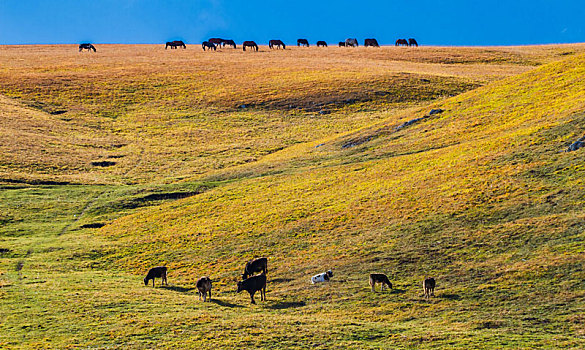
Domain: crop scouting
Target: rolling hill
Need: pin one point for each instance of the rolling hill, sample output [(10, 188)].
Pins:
[(479, 195)]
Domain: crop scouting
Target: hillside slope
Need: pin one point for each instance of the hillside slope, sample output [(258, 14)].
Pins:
[(479, 196), (37, 147)]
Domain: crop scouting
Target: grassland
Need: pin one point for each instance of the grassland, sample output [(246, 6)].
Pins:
[(312, 173)]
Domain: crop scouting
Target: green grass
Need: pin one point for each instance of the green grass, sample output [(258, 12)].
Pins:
[(480, 197)]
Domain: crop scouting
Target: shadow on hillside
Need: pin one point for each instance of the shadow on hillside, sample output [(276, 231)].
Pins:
[(179, 289), (224, 303), (449, 296), (286, 305), (397, 291), (280, 280)]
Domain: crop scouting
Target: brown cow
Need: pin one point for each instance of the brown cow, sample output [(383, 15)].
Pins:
[(379, 278), (429, 287)]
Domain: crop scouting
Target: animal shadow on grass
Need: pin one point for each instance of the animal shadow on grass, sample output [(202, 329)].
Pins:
[(449, 296), (397, 291), (179, 288), (224, 303), (280, 280), (286, 305)]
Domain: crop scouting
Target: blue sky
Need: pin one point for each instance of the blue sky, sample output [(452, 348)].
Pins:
[(438, 22)]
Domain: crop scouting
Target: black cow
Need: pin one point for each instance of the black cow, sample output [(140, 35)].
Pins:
[(351, 42), (257, 265), (86, 46), (216, 41), (156, 272), (371, 42), (303, 42), (175, 44), (252, 285), (321, 43), (204, 286), (401, 42), (276, 43), (228, 42), (209, 45), (251, 44)]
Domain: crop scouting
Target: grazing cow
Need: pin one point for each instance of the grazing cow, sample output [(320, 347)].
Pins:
[(86, 46), (156, 272), (379, 278), (342, 44), (252, 285), (401, 42), (228, 42), (209, 45), (351, 42), (321, 43), (253, 266), (276, 43), (175, 44), (412, 42), (371, 42), (303, 42), (251, 44), (322, 277), (216, 41), (204, 287), (429, 287)]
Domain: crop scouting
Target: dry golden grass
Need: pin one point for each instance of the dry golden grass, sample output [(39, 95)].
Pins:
[(174, 113), (479, 196)]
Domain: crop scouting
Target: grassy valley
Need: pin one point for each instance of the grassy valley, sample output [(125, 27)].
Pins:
[(134, 157)]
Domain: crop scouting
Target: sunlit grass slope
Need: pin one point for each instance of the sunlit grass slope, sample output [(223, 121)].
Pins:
[(166, 114), (479, 197), (135, 156)]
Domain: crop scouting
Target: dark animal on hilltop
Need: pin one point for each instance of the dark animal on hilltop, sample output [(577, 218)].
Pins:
[(257, 265), (156, 272), (252, 285), (322, 277), (87, 47), (379, 278), (342, 44), (412, 42), (321, 43), (210, 46), (351, 42), (401, 42), (204, 287), (429, 287), (371, 42), (303, 42), (175, 44), (228, 42), (216, 41), (276, 43), (251, 44)]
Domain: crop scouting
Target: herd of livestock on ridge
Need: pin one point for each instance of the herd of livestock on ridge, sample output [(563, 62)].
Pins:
[(214, 43), (257, 283)]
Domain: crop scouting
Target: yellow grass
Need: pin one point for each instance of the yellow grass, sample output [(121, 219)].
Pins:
[(479, 196)]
